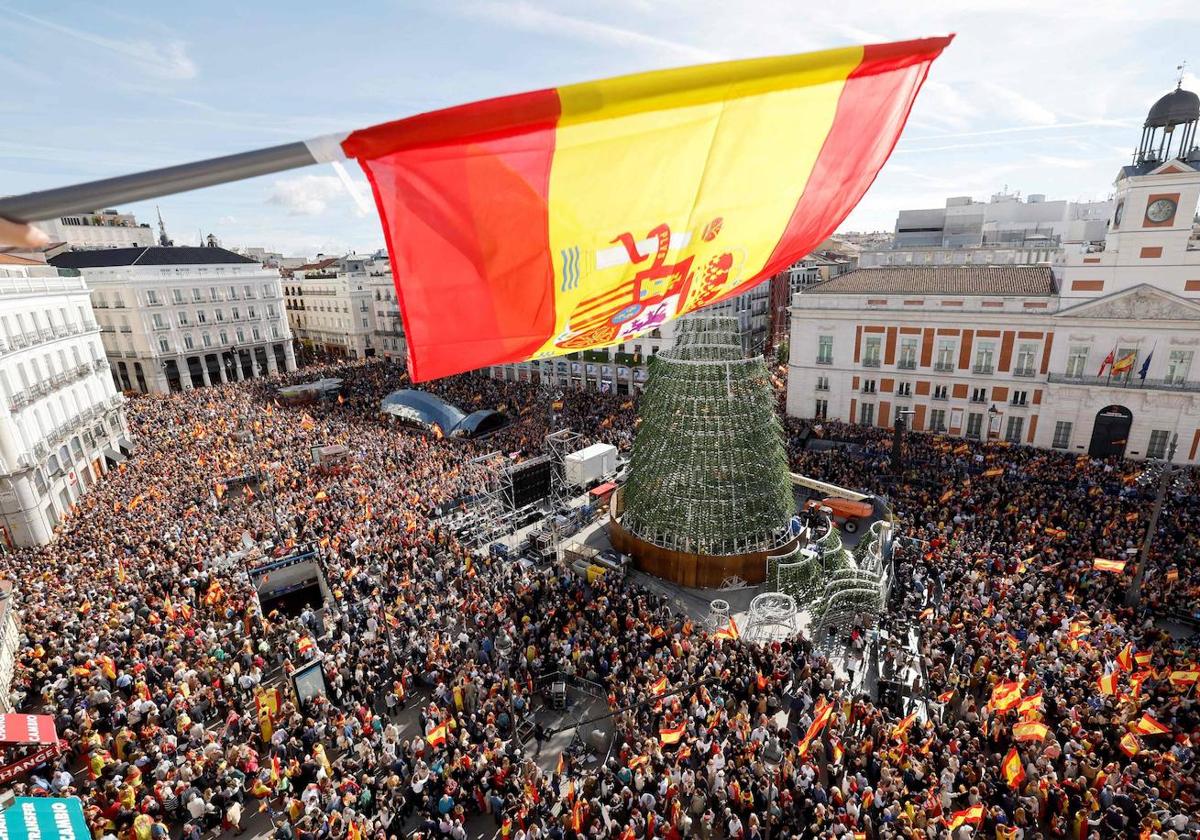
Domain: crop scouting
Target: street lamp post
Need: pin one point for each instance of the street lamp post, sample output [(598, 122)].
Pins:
[(898, 429), (1134, 593)]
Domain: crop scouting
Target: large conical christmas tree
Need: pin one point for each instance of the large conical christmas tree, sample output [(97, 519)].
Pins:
[(709, 474)]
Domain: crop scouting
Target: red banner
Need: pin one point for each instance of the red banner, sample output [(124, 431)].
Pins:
[(27, 729), (22, 766)]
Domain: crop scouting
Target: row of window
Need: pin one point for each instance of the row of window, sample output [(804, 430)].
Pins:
[(184, 317), (41, 320), (179, 297), (206, 339), (1013, 429), (1179, 362), (939, 392)]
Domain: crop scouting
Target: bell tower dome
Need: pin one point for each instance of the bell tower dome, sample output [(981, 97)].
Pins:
[(1169, 132)]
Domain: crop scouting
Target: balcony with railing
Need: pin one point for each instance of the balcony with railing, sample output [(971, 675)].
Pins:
[(943, 367), (871, 361), (983, 370), (824, 360), (906, 364), (1023, 371), (1133, 382), (941, 396)]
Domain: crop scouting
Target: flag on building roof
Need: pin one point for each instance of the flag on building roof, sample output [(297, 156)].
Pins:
[(1124, 363), (577, 217)]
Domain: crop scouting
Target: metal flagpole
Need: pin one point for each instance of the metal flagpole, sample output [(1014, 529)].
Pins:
[(93, 195)]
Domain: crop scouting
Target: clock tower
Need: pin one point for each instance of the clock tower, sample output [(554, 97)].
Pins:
[(1152, 236)]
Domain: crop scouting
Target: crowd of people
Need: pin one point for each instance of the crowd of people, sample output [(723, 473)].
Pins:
[(169, 683)]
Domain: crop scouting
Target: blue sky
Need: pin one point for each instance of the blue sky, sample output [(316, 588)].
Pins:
[(1035, 96)]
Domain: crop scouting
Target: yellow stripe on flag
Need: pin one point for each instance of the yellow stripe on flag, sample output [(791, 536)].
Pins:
[(692, 142)]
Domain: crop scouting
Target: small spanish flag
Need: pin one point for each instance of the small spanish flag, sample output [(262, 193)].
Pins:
[(1125, 658), (1030, 730), (994, 472), (1181, 680), (945, 696), (659, 686), (903, 725), (437, 736), (1030, 704), (671, 734), (305, 645), (1172, 574), (1143, 657), (1147, 725), (1108, 684), (1130, 745), (561, 765), (1005, 695), (729, 631), (973, 815), (1102, 565), (1014, 771)]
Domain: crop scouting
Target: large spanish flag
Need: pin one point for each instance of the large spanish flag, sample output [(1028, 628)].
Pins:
[(543, 223)]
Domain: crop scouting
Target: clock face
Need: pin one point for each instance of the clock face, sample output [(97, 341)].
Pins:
[(1120, 212), (1161, 210)]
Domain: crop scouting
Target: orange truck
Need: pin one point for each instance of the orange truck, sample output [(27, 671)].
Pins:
[(846, 513)]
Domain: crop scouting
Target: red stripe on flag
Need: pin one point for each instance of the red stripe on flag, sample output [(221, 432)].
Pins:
[(462, 197), (871, 113)]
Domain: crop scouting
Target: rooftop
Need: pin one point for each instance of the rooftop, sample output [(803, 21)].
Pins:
[(153, 255), (1022, 280)]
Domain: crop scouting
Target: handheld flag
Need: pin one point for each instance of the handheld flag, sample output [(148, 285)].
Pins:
[(903, 726), (1181, 680), (586, 215), (1030, 730), (1125, 658), (973, 815), (1130, 745), (1005, 695), (1014, 771), (671, 734), (437, 736), (1108, 684), (729, 631), (1102, 565), (1147, 725)]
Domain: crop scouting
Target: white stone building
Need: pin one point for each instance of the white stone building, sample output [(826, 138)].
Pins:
[(99, 229), (1005, 230), (62, 426), (330, 306), (389, 326), (1027, 353), (177, 318)]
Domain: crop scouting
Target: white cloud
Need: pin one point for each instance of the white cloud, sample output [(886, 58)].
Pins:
[(167, 59), (306, 195), (531, 18), (1018, 105)]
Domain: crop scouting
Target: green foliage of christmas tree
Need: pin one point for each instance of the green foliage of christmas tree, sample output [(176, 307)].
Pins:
[(709, 473)]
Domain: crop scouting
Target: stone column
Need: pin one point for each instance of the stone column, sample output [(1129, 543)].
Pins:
[(185, 373), (204, 372), (289, 356), (157, 381), (237, 366), (272, 364), (221, 368)]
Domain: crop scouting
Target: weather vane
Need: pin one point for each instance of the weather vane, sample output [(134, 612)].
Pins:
[(1181, 67)]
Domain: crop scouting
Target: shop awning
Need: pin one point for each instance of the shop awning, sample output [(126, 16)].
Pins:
[(114, 456)]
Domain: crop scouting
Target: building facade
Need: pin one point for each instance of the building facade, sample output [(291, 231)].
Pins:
[(177, 318), (1094, 354), (62, 423), (100, 229), (389, 325), (330, 306), (1005, 230)]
